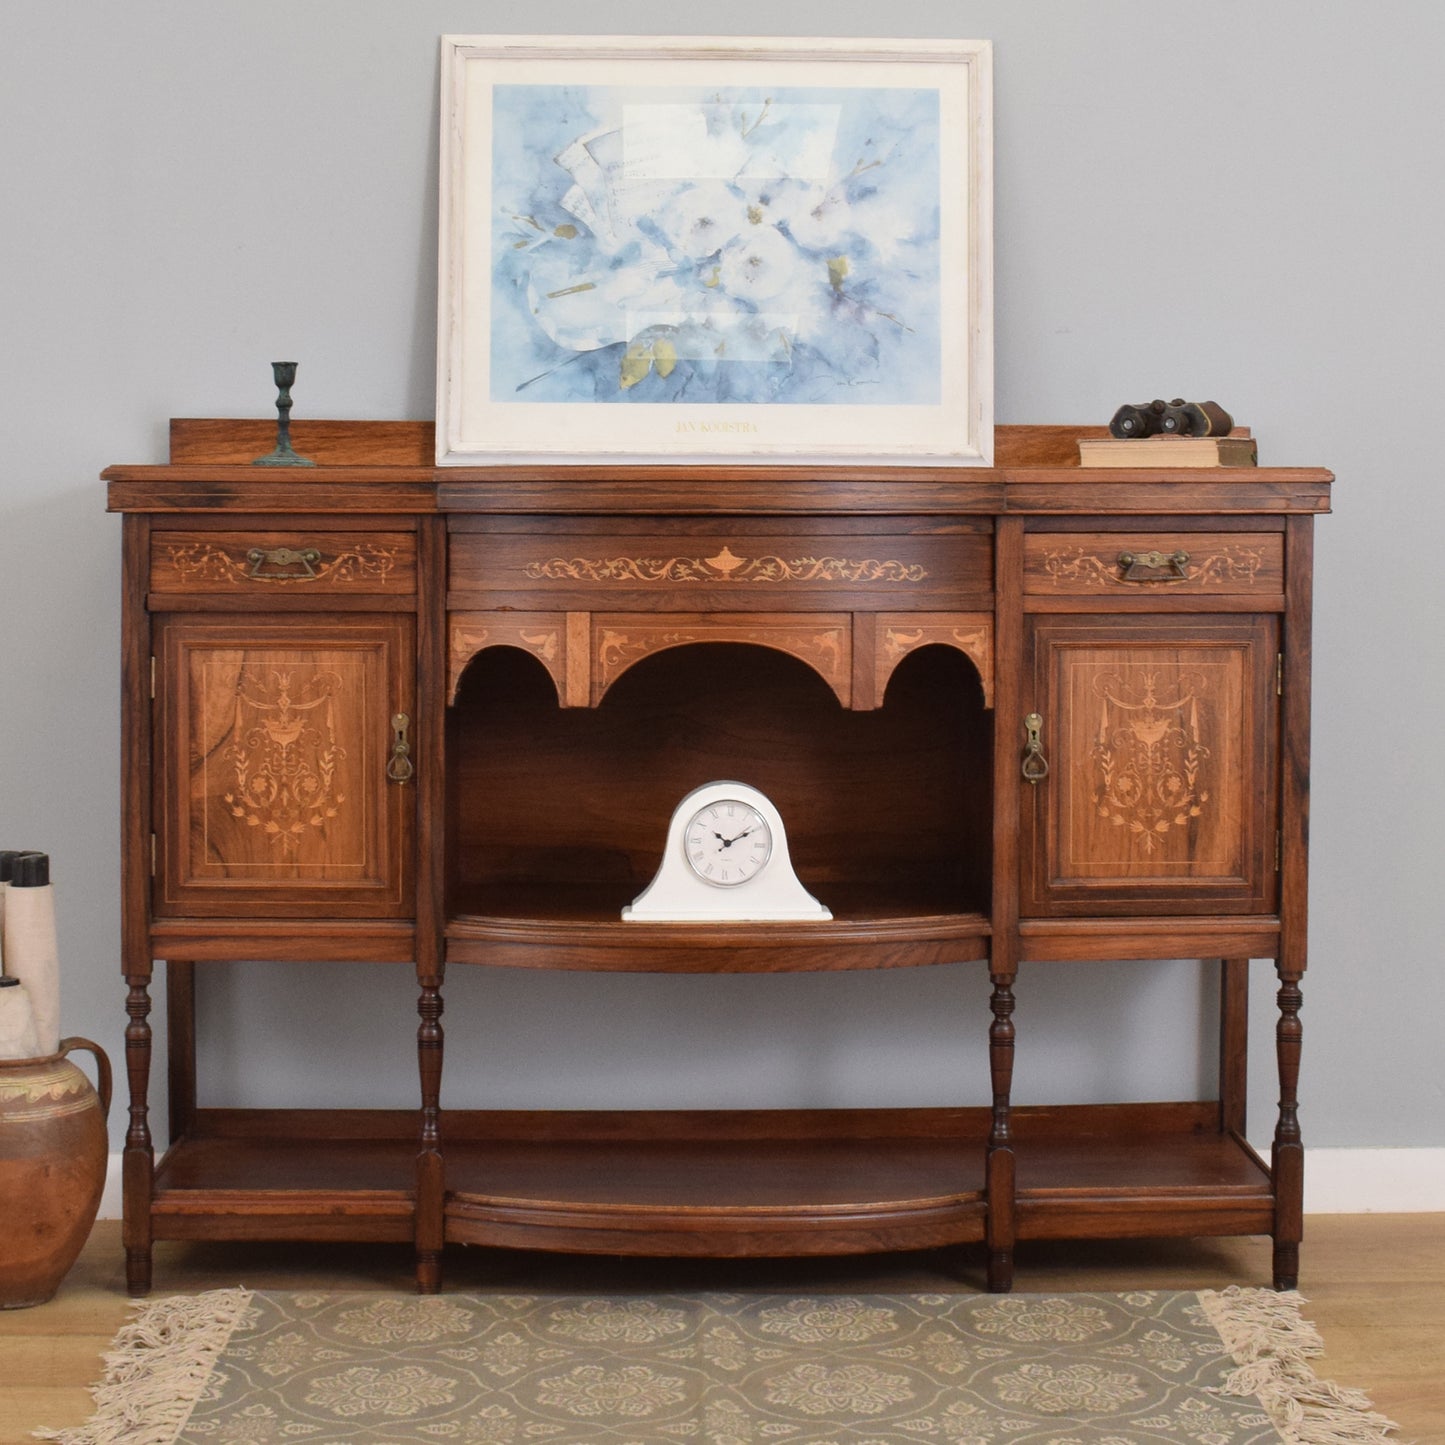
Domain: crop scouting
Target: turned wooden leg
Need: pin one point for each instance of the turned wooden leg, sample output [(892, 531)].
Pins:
[(1288, 1153), (1000, 1172), (430, 1174), (138, 1159)]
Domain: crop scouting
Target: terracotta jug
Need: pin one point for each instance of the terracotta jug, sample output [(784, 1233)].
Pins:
[(53, 1150)]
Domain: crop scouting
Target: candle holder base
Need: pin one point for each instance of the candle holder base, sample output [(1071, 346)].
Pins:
[(284, 374), (283, 457)]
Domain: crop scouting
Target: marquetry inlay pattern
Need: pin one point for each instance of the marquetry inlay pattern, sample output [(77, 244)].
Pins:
[(284, 753), (1233, 565), (543, 635), (197, 562), (822, 641), (902, 633), (723, 567), (1150, 756)]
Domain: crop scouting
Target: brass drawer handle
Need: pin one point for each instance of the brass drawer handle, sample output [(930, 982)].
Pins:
[(1153, 566), (1035, 767), (399, 766), (283, 563)]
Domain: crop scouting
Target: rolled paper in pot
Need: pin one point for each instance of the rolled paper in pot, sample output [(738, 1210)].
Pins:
[(7, 866), (18, 1039), (30, 953)]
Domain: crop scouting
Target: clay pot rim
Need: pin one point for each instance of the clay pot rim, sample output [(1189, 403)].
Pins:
[(37, 1059)]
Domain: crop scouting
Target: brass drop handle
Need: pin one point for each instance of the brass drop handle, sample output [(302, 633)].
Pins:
[(1035, 767), (283, 564), (399, 766), (1153, 566)]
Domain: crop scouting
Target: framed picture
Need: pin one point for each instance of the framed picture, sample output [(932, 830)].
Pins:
[(709, 250)]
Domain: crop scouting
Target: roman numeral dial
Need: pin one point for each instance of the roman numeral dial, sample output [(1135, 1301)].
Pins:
[(727, 842)]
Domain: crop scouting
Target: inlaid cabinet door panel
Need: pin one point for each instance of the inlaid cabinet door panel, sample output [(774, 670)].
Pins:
[(275, 788), (1160, 739)]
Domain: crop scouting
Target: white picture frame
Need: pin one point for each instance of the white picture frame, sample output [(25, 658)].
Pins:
[(696, 250)]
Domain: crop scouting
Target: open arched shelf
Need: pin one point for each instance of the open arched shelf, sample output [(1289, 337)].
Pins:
[(557, 816), (586, 653)]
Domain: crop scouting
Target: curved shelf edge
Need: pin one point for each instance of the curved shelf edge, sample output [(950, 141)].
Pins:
[(716, 1233), (610, 945)]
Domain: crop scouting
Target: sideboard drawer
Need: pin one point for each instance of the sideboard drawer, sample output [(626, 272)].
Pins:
[(254, 563), (736, 570), (1091, 564)]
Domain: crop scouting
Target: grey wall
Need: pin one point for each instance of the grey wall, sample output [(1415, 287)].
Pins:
[(1238, 201)]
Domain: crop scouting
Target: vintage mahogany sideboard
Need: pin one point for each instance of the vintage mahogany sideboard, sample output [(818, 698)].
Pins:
[(384, 712)]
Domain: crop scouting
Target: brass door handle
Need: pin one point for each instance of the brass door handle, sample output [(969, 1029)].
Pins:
[(1035, 766), (283, 563), (1153, 566), (399, 766)]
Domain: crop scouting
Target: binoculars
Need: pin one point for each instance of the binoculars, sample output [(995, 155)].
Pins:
[(1177, 418)]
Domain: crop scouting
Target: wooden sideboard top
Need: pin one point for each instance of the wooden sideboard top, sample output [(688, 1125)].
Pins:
[(388, 466)]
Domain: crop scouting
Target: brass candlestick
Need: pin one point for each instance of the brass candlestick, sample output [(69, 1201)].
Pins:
[(284, 373)]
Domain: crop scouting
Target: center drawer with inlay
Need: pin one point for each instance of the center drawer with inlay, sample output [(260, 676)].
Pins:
[(740, 567)]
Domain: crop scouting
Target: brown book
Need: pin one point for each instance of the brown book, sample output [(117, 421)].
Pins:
[(1230, 451)]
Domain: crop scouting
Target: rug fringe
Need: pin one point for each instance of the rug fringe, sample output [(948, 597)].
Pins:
[(158, 1369), (1271, 1344)]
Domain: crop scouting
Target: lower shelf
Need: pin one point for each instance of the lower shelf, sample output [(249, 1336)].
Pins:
[(716, 1185), (719, 1184), (290, 1174)]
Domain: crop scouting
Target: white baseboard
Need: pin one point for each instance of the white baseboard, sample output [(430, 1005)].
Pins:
[(1337, 1181), (1374, 1181)]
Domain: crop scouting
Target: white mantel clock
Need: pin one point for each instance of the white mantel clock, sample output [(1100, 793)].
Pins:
[(726, 859)]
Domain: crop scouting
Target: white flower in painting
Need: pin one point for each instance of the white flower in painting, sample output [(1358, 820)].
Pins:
[(701, 218), (810, 1321), (762, 265), (817, 217), (852, 1389)]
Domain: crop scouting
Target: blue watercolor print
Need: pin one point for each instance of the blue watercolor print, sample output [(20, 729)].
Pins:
[(742, 245)]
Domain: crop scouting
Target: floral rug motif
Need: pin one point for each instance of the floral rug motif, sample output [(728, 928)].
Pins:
[(1148, 1368)]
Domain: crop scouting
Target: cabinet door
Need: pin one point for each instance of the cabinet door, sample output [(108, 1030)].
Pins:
[(274, 740), (1160, 739)]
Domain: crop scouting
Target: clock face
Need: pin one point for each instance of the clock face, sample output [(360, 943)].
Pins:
[(727, 842)]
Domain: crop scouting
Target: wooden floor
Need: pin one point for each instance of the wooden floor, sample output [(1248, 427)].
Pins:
[(1375, 1286)]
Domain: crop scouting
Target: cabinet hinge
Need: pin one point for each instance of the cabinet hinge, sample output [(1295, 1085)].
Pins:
[(1279, 674)]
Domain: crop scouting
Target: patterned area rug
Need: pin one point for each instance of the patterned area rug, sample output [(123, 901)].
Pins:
[(236, 1368)]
